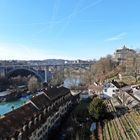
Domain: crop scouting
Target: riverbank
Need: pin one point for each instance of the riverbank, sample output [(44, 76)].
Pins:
[(8, 106)]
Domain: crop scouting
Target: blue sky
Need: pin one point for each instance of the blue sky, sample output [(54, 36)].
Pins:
[(67, 29)]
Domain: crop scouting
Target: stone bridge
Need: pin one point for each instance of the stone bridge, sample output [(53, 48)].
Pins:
[(40, 71)]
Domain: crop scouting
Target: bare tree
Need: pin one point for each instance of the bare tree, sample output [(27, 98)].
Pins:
[(96, 88), (19, 80), (133, 65), (99, 71), (58, 78), (33, 84)]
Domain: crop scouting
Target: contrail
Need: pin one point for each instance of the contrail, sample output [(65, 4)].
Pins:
[(89, 6), (54, 14), (77, 11), (69, 18), (50, 24)]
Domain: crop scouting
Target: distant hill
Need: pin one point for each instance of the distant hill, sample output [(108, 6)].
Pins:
[(54, 61), (57, 61)]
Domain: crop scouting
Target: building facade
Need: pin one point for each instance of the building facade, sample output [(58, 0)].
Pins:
[(133, 64), (36, 119), (121, 54), (109, 90)]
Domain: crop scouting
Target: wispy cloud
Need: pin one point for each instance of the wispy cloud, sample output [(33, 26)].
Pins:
[(116, 37)]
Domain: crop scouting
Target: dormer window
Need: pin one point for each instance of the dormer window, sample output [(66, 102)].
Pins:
[(48, 120), (54, 103), (44, 111), (60, 108), (30, 124), (48, 108), (35, 120), (40, 117), (20, 136), (24, 127), (105, 90)]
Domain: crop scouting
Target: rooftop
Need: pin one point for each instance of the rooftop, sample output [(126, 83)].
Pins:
[(14, 120), (12, 123), (55, 92), (125, 49), (41, 101), (4, 93)]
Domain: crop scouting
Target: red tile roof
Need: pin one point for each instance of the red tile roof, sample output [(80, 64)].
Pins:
[(41, 101), (14, 120), (54, 93)]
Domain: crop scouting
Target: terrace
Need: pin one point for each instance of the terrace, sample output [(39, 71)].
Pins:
[(124, 126)]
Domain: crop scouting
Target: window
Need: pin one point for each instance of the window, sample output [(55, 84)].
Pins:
[(24, 128), (30, 124), (105, 90), (49, 108), (35, 121), (117, 90), (44, 111), (39, 117), (20, 136), (34, 133)]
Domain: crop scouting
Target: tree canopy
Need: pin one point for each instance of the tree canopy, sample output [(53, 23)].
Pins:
[(33, 84), (97, 108)]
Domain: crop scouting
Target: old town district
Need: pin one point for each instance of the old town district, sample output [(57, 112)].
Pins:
[(36, 118)]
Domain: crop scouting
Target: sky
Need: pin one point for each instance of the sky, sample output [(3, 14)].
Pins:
[(67, 29)]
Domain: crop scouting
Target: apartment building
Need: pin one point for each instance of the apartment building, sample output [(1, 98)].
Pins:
[(121, 54), (35, 119)]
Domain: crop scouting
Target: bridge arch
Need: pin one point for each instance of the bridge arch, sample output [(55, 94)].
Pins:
[(24, 72)]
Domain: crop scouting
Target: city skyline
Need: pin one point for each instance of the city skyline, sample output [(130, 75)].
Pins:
[(60, 29)]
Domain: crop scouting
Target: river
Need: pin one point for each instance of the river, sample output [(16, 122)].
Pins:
[(72, 81), (6, 107)]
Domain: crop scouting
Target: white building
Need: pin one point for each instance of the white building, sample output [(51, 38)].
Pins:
[(109, 90), (136, 92)]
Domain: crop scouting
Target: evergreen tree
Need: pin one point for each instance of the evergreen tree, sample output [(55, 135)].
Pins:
[(97, 109)]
